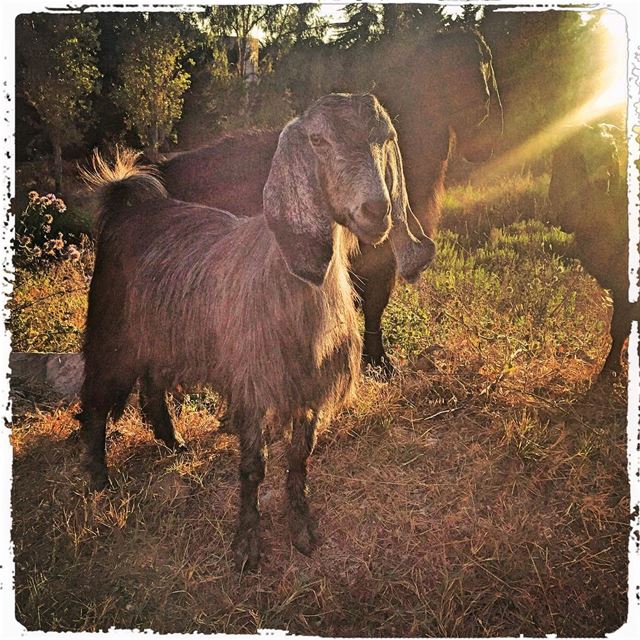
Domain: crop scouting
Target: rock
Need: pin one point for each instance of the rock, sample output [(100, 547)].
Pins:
[(61, 373)]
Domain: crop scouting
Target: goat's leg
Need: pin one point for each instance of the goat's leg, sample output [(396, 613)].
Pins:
[(375, 297), (153, 403), (620, 327), (303, 440), (253, 455), (99, 398)]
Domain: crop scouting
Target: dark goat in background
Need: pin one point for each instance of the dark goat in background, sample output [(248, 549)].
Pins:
[(588, 198), (259, 308), (439, 92)]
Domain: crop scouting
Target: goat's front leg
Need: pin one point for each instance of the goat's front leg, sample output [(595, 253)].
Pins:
[(303, 440), (253, 455), (374, 276)]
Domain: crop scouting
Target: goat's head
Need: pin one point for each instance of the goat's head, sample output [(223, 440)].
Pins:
[(340, 162)]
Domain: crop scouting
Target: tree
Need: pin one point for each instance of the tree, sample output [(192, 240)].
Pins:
[(363, 25), (401, 18), (57, 74), (152, 81), (240, 21), (293, 25)]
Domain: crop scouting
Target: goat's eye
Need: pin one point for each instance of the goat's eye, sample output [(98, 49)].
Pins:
[(317, 140)]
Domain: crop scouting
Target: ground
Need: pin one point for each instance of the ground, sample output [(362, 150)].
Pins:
[(481, 492)]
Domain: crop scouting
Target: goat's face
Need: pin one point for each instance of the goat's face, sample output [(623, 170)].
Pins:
[(354, 142), (340, 162), (471, 102)]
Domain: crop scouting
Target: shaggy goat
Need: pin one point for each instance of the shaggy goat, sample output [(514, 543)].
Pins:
[(439, 91), (589, 198), (259, 308)]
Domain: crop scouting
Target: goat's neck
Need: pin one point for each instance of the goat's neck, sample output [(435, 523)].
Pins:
[(425, 167)]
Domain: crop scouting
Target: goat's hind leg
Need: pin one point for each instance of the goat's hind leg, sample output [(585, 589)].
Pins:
[(253, 455), (99, 399), (303, 439), (620, 328), (153, 404)]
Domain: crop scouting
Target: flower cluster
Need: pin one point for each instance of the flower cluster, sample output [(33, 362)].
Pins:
[(36, 200), (37, 243)]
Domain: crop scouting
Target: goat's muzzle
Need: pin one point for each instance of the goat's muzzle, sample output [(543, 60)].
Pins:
[(372, 221)]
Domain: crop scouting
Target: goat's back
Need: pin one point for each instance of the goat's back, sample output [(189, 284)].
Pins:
[(230, 174)]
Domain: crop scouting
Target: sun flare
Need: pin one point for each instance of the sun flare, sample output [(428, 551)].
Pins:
[(614, 79), (610, 96)]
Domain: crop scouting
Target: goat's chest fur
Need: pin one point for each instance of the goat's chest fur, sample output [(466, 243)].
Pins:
[(231, 315)]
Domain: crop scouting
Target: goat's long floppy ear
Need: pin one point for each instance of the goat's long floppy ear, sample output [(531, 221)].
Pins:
[(413, 251), (296, 209)]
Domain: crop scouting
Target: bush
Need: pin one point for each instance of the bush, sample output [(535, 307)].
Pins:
[(40, 238), (475, 208), (517, 291), (48, 308)]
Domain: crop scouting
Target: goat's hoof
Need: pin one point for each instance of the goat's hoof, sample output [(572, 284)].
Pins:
[(178, 444), (98, 478), (174, 442), (609, 374), (225, 425), (379, 367), (304, 536), (246, 551)]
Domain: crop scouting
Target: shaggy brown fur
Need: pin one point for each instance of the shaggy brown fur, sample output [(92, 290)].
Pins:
[(589, 198), (439, 92), (260, 308)]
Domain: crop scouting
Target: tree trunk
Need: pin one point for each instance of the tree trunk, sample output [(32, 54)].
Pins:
[(242, 46), (151, 151), (57, 164)]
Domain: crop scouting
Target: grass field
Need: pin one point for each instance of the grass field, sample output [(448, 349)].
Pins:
[(482, 492)]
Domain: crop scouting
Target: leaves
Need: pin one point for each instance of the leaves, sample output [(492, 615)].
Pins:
[(57, 71), (152, 82)]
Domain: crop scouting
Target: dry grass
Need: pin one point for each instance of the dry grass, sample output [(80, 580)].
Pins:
[(498, 519), (483, 493)]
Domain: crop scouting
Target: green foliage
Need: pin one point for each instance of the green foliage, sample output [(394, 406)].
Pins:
[(513, 291), (152, 82), (293, 25), (363, 24), (474, 209), (57, 74), (57, 70)]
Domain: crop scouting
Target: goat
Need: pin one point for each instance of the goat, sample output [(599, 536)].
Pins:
[(259, 308), (440, 92), (589, 199)]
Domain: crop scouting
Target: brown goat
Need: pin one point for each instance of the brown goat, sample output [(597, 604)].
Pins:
[(259, 308), (439, 92), (589, 199)]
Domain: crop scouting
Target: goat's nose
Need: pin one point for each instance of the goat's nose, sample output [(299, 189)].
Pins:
[(376, 209)]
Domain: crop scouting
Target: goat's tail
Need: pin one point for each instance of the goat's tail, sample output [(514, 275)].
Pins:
[(121, 183)]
